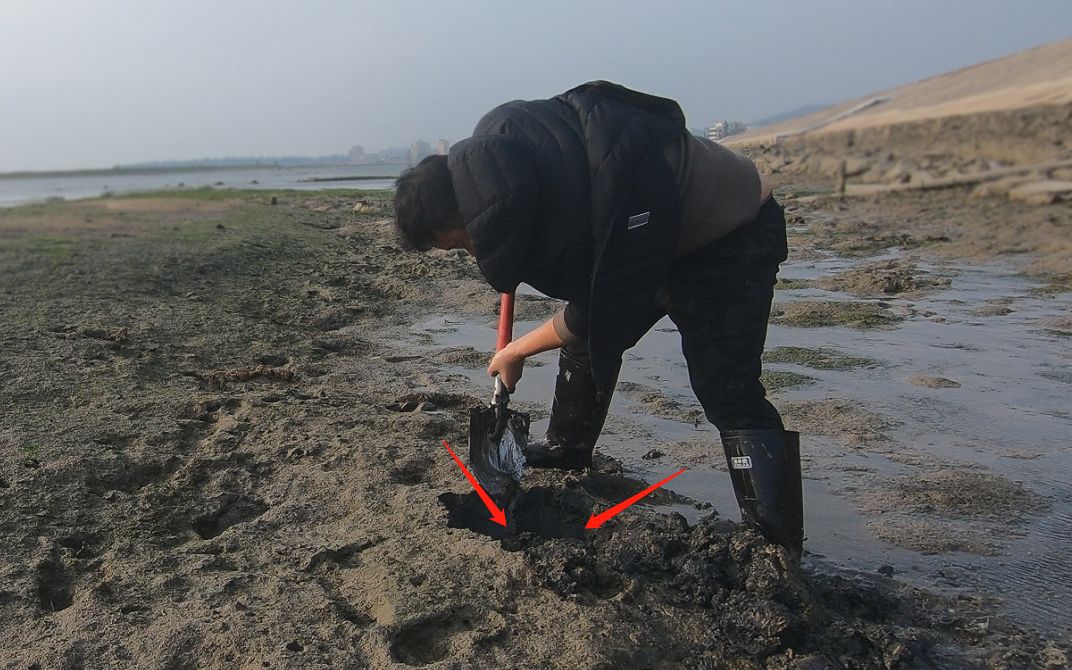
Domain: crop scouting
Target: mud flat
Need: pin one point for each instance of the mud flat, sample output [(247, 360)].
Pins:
[(221, 447)]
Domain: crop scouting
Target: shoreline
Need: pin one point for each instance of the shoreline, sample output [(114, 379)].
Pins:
[(123, 170)]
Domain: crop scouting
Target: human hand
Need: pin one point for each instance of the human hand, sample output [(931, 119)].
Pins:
[(508, 365)]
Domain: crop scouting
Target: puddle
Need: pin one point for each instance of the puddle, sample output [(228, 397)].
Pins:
[(1007, 414)]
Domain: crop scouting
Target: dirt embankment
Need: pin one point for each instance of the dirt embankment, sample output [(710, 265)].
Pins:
[(999, 128), (1033, 78), (990, 185), (1022, 155)]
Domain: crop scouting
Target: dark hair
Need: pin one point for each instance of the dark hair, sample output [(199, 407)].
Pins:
[(425, 204)]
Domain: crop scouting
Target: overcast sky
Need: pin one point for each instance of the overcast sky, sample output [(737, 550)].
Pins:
[(95, 83)]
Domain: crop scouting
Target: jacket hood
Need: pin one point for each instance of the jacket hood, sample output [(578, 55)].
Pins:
[(495, 184)]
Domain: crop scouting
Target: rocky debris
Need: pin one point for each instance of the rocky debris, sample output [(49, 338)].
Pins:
[(1045, 192), (999, 188)]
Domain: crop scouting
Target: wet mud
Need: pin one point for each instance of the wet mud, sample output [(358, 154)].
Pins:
[(223, 448)]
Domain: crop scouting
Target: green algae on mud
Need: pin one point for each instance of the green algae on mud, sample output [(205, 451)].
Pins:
[(793, 284), (655, 402), (952, 510), (842, 419), (820, 359), (973, 495), (781, 380), (819, 313), (1055, 284), (888, 277)]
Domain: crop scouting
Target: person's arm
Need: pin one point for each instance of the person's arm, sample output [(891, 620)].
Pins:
[(509, 361)]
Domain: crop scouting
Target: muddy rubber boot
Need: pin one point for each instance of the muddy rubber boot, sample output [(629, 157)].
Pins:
[(765, 470), (577, 416)]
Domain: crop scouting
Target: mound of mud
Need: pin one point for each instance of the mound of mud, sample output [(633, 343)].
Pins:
[(716, 594), (892, 277), (952, 511), (837, 418), (819, 313), (654, 402), (972, 495)]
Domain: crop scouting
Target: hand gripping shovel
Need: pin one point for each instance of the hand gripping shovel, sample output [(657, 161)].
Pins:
[(497, 434)]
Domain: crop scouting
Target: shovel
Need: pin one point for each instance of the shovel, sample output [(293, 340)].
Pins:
[(497, 434)]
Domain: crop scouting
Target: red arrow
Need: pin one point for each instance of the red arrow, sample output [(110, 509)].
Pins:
[(598, 520), (497, 515)]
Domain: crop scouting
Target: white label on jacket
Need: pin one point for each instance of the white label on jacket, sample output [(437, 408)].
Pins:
[(637, 220), (741, 462)]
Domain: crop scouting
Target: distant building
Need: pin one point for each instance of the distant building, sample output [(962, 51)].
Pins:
[(357, 154), (419, 150), (724, 129), (391, 155), (442, 147)]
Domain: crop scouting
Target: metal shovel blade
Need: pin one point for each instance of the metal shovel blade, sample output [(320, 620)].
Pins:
[(497, 436)]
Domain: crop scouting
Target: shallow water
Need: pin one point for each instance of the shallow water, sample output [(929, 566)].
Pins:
[(1010, 416), (19, 190)]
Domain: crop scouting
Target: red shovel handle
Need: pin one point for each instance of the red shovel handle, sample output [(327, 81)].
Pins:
[(506, 320)]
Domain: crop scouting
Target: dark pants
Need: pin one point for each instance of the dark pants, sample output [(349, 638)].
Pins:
[(719, 297)]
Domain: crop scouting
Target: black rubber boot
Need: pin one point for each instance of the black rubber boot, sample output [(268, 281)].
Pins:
[(577, 416), (765, 469)]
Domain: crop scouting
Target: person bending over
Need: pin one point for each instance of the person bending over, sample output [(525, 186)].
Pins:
[(601, 197)]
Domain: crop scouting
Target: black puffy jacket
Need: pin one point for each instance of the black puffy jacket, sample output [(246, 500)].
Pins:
[(575, 196)]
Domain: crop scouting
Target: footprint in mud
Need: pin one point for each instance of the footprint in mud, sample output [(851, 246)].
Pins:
[(413, 472), (537, 513), (207, 411), (114, 441), (431, 402), (54, 591), (348, 613), (129, 476), (273, 360), (81, 546), (340, 345), (346, 556), (615, 487), (413, 406), (428, 640), (233, 509)]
